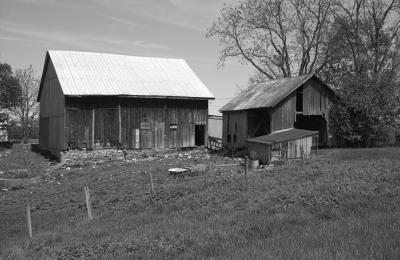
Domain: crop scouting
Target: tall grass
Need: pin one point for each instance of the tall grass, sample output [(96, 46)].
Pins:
[(321, 209)]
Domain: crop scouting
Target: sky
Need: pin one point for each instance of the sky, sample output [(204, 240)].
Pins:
[(151, 28)]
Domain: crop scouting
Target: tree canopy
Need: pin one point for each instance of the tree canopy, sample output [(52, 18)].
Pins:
[(352, 45), (9, 87)]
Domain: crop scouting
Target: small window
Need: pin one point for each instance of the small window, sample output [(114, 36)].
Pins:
[(173, 126), (145, 125), (299, 99), (228, 138)]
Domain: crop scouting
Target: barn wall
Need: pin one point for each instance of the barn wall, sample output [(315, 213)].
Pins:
[(134, 122), (51, 121), (283, 115), (237, 121), (316, 98)]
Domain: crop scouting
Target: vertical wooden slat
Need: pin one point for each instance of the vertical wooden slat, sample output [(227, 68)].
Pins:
[(93, 123)]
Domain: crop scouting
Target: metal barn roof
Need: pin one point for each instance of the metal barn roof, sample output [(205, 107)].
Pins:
[(86, 73), (267, 94), (282, 136)]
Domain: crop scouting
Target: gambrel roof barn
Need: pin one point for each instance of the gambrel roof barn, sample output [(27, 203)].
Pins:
[(99, 100)]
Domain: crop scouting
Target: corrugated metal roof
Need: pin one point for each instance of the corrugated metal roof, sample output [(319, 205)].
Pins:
[(266, 94), (86, 73), (282, 136)]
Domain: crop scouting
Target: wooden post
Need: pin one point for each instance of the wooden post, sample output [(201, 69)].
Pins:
[(28, 216), (151, 183), (92, 139), (119, 123), (245, 165), (210, 166), (88, 202)]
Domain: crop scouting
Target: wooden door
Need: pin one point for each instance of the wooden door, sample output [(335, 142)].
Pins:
[(159, 134), (187, 135)]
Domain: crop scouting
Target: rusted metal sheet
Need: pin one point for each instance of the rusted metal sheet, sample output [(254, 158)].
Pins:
[(86, 73)]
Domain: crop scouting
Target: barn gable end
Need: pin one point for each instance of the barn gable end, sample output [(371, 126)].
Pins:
[(52, 104)]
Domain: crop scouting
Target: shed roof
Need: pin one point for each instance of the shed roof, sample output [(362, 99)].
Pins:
[(267, 94), (99, 74), (282, 136)]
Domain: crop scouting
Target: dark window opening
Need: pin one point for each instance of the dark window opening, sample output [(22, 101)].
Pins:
[(235, 133), (299, 99), (258, 123), (199, 134), (228, 138)]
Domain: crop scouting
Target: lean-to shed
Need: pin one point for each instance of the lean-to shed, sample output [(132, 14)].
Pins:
[(103, 100), (300, 102), (284, 145)]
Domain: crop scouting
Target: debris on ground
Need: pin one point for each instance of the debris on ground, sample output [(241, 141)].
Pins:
[(79, 159)]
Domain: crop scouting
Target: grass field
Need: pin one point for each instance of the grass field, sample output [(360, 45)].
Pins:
[(345, 204)]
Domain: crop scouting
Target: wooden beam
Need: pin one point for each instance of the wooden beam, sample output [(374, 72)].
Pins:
[(93, 124), (119, 123)]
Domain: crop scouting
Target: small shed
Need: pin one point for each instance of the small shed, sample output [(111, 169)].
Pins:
[(284, 145)]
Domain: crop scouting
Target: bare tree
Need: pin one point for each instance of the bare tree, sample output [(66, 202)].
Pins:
[(27, 108), (371, 32), (279, 38)]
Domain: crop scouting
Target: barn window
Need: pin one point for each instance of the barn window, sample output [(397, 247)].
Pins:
[(299, 99), (145, 125), (235, 133), (173, 126)]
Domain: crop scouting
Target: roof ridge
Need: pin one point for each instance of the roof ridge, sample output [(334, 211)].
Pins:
[(113, 54)]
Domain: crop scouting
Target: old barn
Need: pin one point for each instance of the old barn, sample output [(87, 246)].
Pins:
[(97, 100), (284, 104)]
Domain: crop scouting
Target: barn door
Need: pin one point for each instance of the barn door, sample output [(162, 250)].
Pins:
[(188, 135), (146, 135), (159, 135), (136, 138)]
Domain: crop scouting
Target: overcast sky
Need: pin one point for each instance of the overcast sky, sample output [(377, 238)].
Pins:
[(154, 28)]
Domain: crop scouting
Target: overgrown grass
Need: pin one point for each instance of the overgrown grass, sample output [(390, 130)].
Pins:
[(339, 206)]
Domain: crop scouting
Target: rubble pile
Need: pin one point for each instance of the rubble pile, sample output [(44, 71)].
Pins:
[(82, 158)]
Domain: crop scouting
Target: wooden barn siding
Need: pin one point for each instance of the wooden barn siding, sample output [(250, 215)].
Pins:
[(238, 118), (316, 98), (283, 115), (145, 123), (291, 147), (51, 120)]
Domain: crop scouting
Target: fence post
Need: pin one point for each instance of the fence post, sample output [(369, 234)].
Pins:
[(151, 183), (88, 201), (245, 165), (28, 216)]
